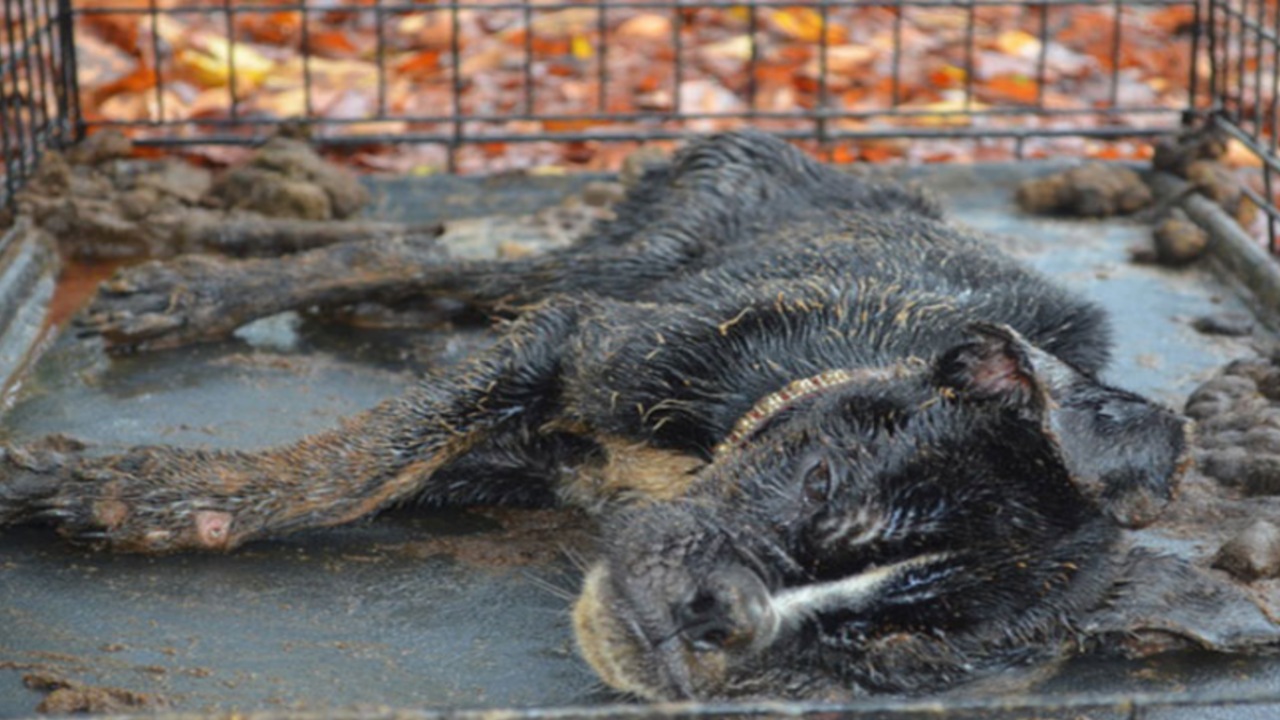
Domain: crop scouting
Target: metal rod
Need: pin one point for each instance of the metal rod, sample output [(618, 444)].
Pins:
[(1116, 26), (828, 114), (233, 109), (527, 67), (304, 46), (823, 102), (70, 103), (602, 55), (16, 157), (753, 59), (677, 45), (155, 58), (895, 80), (660, 133), (619, 4), (1042, 57), (970, 66), (455, 55), (380, 23)]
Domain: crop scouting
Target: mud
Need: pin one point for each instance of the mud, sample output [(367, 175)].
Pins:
[(102, 202), (1238, 420), (1093, 190), (523, 538), (66, 696), (1225, 323), (1178, 240), (1252, 554)]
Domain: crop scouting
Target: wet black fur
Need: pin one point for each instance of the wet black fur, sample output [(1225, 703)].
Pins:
[(745, 266), (742, 267)]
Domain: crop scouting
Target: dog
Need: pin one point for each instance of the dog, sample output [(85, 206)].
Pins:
[(837, 445)]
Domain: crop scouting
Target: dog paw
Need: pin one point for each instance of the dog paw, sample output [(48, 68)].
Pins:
[(163, 304)]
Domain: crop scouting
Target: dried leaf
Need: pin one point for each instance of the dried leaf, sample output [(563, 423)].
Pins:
[(332, 43), (277, 28), (951, 112), (426, 30), (806, 25), (735, 48), (143, 78), (947, 76), (843, 60), (426, 62), (581, 47), (561, 24), (648, 26), (211, 65), (1018, 89), (1019, 43), (1239, 156), (119, 29), (482, 62)]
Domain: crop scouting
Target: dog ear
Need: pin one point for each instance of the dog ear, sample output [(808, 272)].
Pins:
[(1162, 603), (996, 364), (1124, 453)]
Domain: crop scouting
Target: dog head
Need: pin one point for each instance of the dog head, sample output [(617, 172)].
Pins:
[(888, 530)]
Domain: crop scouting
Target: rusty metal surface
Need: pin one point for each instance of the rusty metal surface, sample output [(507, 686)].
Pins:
[(425, 609)]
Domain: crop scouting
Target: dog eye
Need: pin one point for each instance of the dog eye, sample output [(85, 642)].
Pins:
[(816, 476)]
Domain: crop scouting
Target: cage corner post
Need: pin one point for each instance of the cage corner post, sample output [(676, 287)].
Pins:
[(71, 122)]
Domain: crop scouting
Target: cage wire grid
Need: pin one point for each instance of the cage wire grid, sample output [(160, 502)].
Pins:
[(1230, 50), (459, 110), (38, 87)]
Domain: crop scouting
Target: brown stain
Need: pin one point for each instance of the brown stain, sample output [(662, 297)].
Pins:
[(67, 696), (632, 469), (525, 538), (76, 285)]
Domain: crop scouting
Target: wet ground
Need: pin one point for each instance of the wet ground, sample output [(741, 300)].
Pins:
[(454, 609)]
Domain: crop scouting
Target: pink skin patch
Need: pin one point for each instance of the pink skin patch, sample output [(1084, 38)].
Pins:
[(998, 375), (213, 528), (110, 514)]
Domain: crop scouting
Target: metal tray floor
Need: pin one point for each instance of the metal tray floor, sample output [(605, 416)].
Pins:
[(391, 612)]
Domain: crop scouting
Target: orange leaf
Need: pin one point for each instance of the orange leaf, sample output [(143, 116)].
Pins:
[(878, 154), (805, 25), (842, 155), (1011, 88), (649, 26), (277, 28), (946, 76), (567, 125), (1107, 152), (1172, 20), (421, 63), (141, 79), (332, 43), (119, 29), (649, 83)]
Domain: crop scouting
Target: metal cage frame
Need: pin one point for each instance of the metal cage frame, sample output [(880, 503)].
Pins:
[(41, 64)]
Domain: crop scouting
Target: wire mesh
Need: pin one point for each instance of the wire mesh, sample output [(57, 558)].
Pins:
[(37, 86), (1243, 91), (474, 73)]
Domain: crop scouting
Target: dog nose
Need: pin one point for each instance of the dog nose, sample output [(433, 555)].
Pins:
[(730, 610)]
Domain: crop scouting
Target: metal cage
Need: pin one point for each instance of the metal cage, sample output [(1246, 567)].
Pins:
[(38, 86), (823, 71)]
